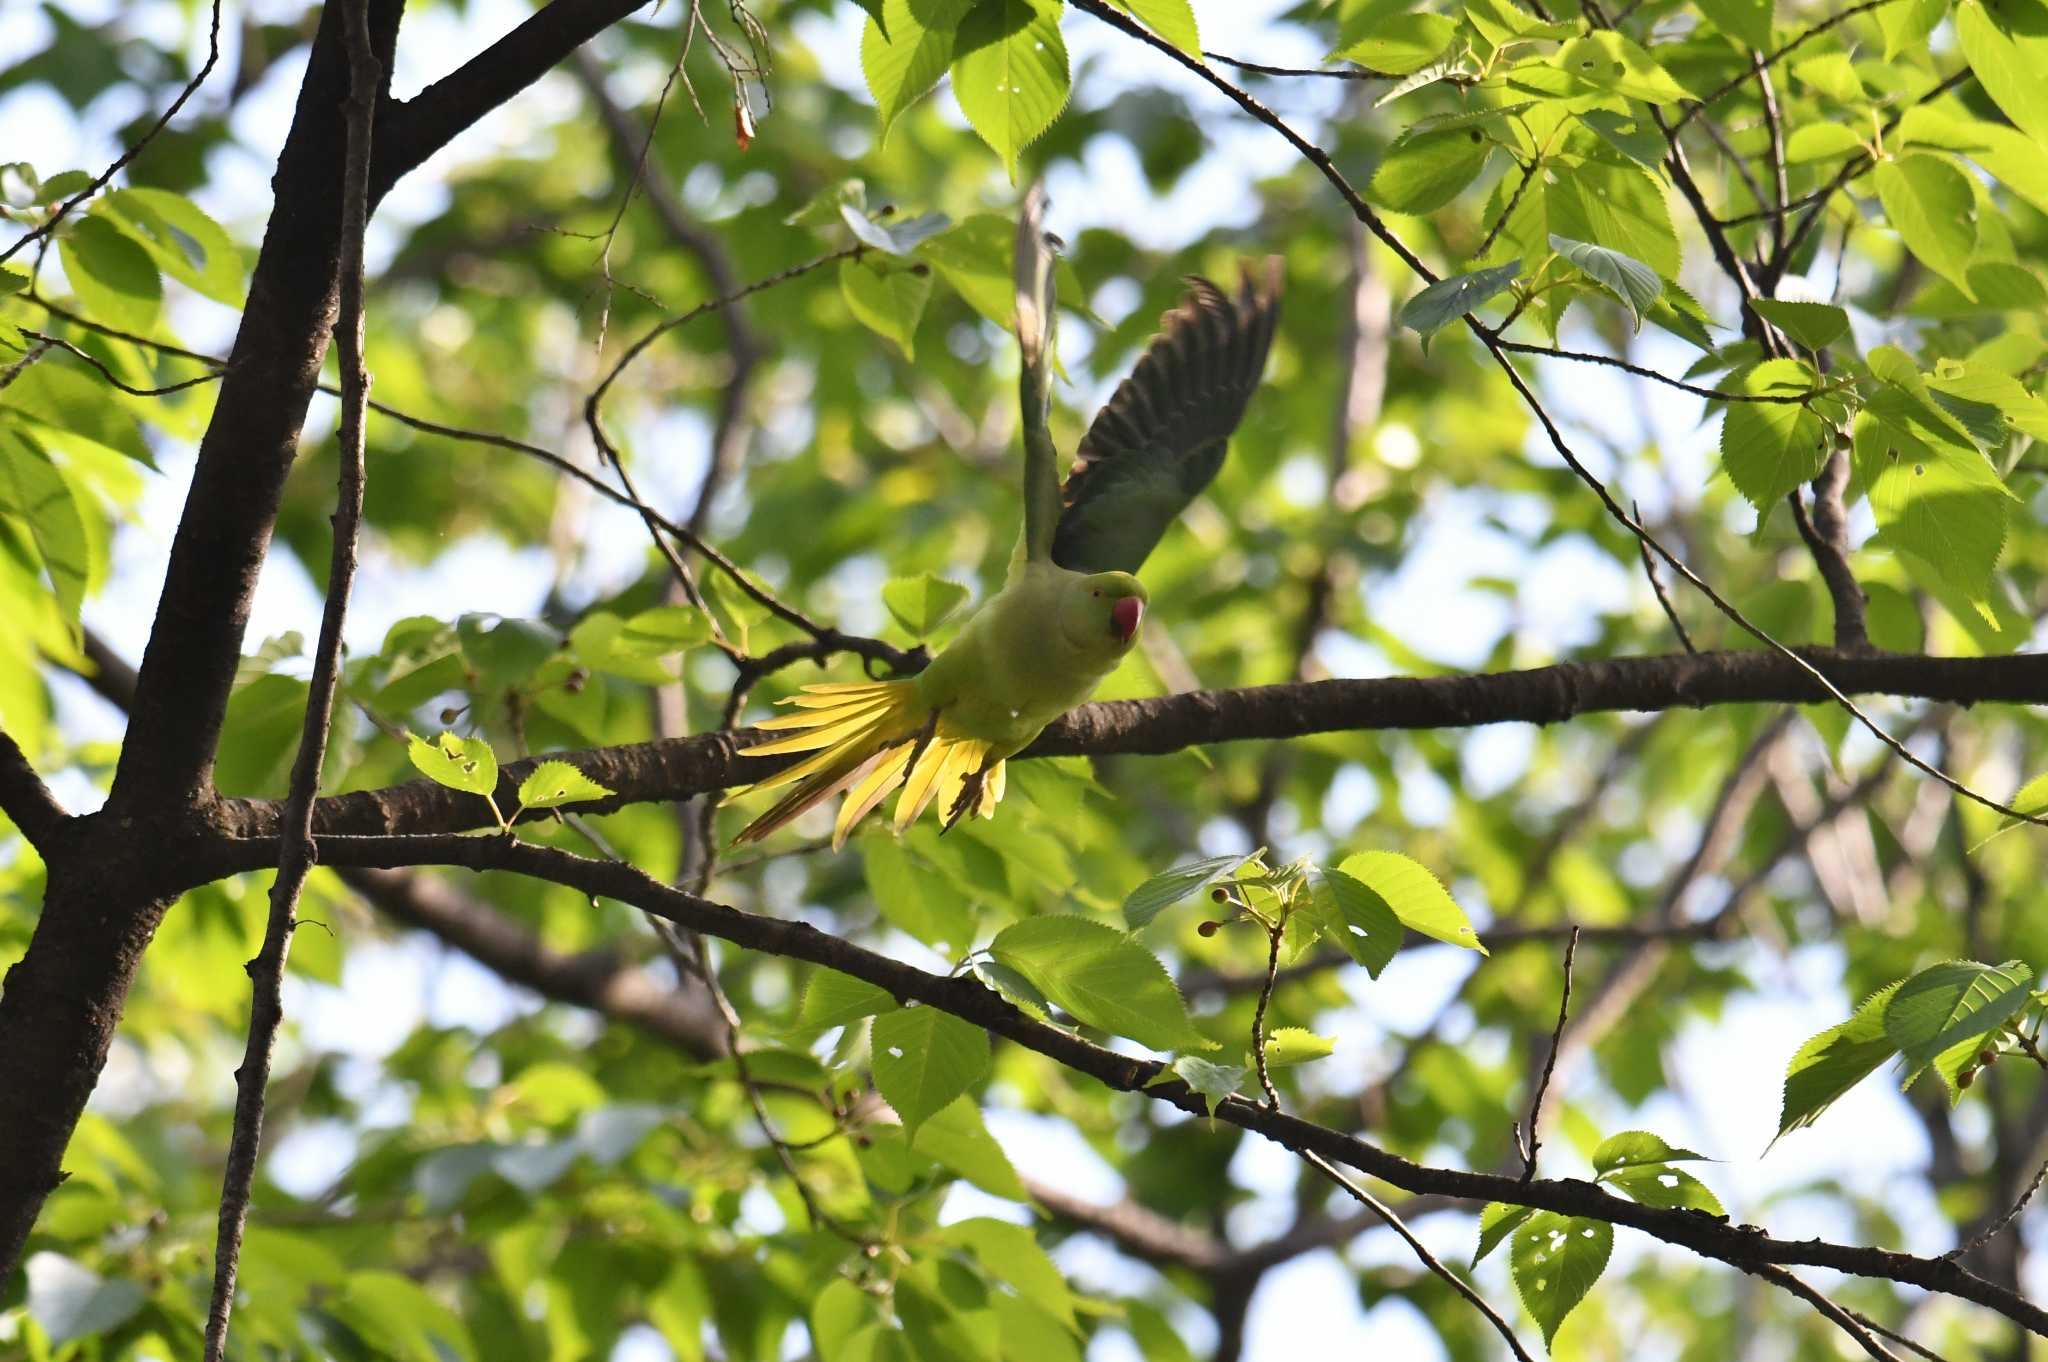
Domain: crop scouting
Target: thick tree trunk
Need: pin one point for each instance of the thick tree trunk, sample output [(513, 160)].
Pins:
[(62, 1001), (57, 1017)]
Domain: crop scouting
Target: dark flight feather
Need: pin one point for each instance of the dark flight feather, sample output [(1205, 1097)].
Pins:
[(1160, 439)]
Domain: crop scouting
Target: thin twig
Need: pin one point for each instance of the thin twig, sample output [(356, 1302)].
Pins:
[(1919, 1349), (1762, 64), (1775, 122), (1421, 1251), (21, 366), (1657, 587), (2012, 1213), (211, 376), (1564, 1011), (1612, 362), (1514, 201), (1842, 1319), (296, 851), (49, 224), (1274, 932), (1340, 73)]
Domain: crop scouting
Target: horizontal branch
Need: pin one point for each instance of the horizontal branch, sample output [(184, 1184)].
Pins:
[(961, 996), (681, 767)]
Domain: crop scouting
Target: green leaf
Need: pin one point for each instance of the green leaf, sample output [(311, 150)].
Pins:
[(1555, 1259), (399, 1319), (838, 1312), (1011, 1254), (1102, 977), (1671, 1188), (505, 652), (1607, 61), (1748, 20), (555, 783), (1357, 917), (70, 1301), (1952, 1004), (924, 1058), (1401, 43), (922, 603), (659, 632), (1422, 174), (1771, 448), (1836, 1060), (1814, 325), (33, 487), (888, 301), (914, 896), (1496, 1222), (958, 1138), (1616, 205), (2008, 63), (1822, 142), (1417, 897), (1010, 73), (1832, 75), (1297, 1045), (834, 999), (113, 276), (459, 763), (186, 244), (1449, 299), (1213, 1081), (1633, 1148), (1933, 493), (1907, 26), (1169, 887), (904, 53), (1627, 278), (1929, 203), (1635, 138), (1173, 20)]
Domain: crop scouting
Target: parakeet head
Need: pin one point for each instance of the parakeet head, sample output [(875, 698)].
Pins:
[(1102, 610)]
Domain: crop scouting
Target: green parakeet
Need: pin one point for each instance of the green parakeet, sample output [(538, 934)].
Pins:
[(1070, 607)]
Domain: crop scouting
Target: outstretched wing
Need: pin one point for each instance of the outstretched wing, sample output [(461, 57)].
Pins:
[(1034, 381), (1161, 438)]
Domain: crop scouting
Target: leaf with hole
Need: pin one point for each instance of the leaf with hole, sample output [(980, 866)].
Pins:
[(460, 763), (1555, 1260), (555, 783), (1632, 1148), (924, 1059), (1416, 896), (1357, 918)]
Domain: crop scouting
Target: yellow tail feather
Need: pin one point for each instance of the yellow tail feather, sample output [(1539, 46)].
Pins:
[(865, 740)]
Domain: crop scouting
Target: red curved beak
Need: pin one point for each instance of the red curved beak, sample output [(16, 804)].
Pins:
[(1124, 617)]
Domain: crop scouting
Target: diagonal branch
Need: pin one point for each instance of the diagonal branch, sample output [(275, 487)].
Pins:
[(422, 125), (24, 798), (964, 997)]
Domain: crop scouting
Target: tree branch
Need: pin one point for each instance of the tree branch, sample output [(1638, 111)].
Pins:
[(295, 837), (24, 798), (964, 997), (675, 769), (422, 125)]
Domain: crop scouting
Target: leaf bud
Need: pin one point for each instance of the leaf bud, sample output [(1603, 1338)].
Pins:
[(1209, 928)]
